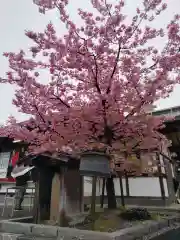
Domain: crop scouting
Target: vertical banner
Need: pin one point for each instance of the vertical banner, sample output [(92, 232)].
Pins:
[(15, 158)]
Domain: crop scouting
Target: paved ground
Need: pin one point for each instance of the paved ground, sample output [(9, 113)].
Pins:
[(17, 214), (7, 213)]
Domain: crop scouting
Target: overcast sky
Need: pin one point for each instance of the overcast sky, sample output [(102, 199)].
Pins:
[(19, 15)]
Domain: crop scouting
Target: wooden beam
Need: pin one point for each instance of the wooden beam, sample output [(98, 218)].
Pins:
[(103, 191), (121, 190), (93, 197), (36, 215), (160, 178), (55, 199), (81, 201), (170, 184), (45, 187)]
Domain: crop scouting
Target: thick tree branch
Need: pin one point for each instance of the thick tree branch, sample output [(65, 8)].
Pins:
[(96, 75), (48, 128), (63, 102), (150, 67), (114, 69), (37, 110)]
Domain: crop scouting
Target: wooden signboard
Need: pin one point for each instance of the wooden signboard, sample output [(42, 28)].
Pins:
[(95, 164)]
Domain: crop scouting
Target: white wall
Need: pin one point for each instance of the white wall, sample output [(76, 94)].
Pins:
[(146, 187), (138, 187)]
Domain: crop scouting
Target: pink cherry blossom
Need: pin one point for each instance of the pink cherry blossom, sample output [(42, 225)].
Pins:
[(100, 79)]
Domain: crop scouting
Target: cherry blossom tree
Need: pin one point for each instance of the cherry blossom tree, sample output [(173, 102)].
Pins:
[(102, 76)]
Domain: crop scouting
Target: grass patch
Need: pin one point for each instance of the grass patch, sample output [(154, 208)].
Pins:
[(105, 224), (111, 220)]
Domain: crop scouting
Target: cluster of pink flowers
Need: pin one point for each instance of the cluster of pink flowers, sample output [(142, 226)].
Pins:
[(102, 75)]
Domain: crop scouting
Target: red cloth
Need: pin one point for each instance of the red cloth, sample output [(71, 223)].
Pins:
[(10, 180), (14, 159)]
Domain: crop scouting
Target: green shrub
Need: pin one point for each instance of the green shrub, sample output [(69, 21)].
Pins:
[(135, 214)]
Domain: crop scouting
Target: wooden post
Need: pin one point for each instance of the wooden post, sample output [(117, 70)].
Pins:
[(45, 188), (103, 190), (93, 197), (55, 199), (170, 185), (81, 202), (121, 190), (160, 178), (36, 203), (42, 194)]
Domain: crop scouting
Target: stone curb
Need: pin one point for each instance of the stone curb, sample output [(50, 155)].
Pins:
[(8, 236), (15, 227), (26, 230), (76, 234), (164, 210)]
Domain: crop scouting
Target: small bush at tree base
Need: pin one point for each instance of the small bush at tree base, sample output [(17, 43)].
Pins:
[(135, 214)]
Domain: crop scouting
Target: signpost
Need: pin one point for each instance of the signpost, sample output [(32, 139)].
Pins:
[(95, 164)]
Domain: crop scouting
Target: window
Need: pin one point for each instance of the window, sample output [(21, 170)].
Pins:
[(4, 159), (4, 162)]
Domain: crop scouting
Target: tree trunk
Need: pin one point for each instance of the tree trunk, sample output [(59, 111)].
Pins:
[(111, 193), (127, 184)]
